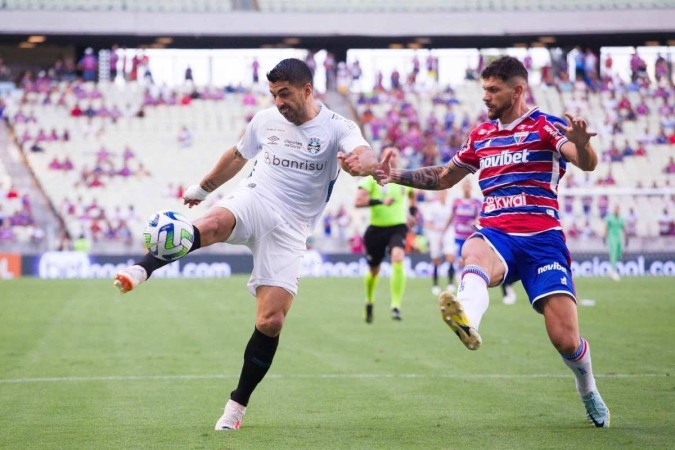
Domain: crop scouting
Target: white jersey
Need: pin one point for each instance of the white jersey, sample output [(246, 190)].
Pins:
[(436, 215), (296, 166)]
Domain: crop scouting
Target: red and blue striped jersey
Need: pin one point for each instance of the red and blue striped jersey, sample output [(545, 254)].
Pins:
[(520, 167), (466, 211)]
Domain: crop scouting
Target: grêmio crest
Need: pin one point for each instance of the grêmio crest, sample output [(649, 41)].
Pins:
[(314, 146)]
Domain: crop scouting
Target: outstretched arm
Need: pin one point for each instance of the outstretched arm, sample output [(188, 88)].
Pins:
[(229, 164), (360, 162), (433, 178), (578, 150)]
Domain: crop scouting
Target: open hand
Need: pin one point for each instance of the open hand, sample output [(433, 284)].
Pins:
[(382, 173), (576, 132)]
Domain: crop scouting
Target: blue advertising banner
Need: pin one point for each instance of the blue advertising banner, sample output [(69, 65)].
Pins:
[(81, 265)]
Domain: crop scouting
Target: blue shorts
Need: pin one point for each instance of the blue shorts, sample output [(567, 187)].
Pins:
[(541, 262), (459, 243)]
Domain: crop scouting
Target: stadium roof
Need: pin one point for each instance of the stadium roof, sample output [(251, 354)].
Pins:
[(245, 29)]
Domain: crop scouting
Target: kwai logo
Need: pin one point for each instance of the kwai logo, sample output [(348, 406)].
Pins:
[(553, 266), (504, 158), (511, 201)]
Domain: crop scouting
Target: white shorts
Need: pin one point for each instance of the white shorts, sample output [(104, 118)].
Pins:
[(277, 248), (440, 244)]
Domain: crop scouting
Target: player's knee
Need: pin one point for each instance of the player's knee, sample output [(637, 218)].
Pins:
[(214, 227), (566, 344), (271, 324), (397, 254)]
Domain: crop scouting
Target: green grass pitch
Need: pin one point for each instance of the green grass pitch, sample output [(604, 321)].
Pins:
[(82, 367)]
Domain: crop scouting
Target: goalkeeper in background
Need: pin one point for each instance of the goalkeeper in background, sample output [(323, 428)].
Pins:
[(390, 208), (614, 239)]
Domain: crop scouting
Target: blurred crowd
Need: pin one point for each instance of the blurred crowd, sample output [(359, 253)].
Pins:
[(429, 125)]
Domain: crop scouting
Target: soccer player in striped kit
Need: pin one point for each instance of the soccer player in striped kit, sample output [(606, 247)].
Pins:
[(520, 153)]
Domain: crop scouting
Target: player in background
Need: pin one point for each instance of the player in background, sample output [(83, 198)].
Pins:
[(390, 213), (614, 239), (298, 146), (440, 237), (465, 212), (508, 294), (521, 153)]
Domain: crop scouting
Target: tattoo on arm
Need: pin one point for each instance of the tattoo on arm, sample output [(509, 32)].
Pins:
[(423, 178), (209, 186)]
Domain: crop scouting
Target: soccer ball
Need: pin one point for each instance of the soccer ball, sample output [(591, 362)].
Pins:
[(168, 235)]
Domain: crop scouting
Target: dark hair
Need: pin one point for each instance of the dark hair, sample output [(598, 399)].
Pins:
[(505, 68), (293, 70)]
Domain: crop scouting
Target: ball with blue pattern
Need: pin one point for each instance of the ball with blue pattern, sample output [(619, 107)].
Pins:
[(168, 235)]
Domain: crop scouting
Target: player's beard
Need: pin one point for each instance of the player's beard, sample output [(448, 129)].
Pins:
[(292, 114), (497, 112)]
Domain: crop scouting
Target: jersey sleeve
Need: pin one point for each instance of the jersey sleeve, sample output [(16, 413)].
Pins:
[(549, 133), (349, 135), (466, 157), (248, 144)]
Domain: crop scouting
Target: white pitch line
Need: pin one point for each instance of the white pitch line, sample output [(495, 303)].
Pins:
[(320, 376)]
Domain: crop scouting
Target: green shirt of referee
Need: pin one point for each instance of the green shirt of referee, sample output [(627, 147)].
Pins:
[(389, 217)]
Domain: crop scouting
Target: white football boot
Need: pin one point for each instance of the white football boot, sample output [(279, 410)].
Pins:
[(129, 277), (232, 417)]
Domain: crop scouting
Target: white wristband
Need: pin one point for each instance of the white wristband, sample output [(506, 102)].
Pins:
[(195, 192)]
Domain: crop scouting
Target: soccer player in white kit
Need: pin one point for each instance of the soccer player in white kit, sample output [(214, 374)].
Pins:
[(299, 146), (441, 238)]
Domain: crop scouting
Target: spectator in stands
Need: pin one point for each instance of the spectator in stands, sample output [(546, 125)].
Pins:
[(631, 225), (67, 164), (127, 154), (666, 224), (612, 154), (330, 68), (661, 69), (603, 206), (76, 111), (627, 149), (6, 232), (114, 60), (661, 138), (646, 137), (141, 171), (184, 137), (255, 71), (88, 65), (640, 150), (670, 167), (55, 164)]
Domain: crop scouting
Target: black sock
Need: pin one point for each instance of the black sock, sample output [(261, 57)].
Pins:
[(435, 275), (504, 289), (258, 358), (451, 272), (150, 263)]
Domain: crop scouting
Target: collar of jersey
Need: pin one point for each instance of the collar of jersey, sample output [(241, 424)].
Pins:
[(515, 123)]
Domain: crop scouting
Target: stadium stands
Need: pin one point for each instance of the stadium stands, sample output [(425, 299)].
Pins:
[(86, 143), (192, 6), (431, 6)]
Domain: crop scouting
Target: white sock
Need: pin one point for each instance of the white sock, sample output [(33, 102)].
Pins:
[(580, 364), (473, 294)]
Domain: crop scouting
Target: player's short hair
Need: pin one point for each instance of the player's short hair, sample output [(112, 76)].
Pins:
[(293, 70), (505, 68)]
